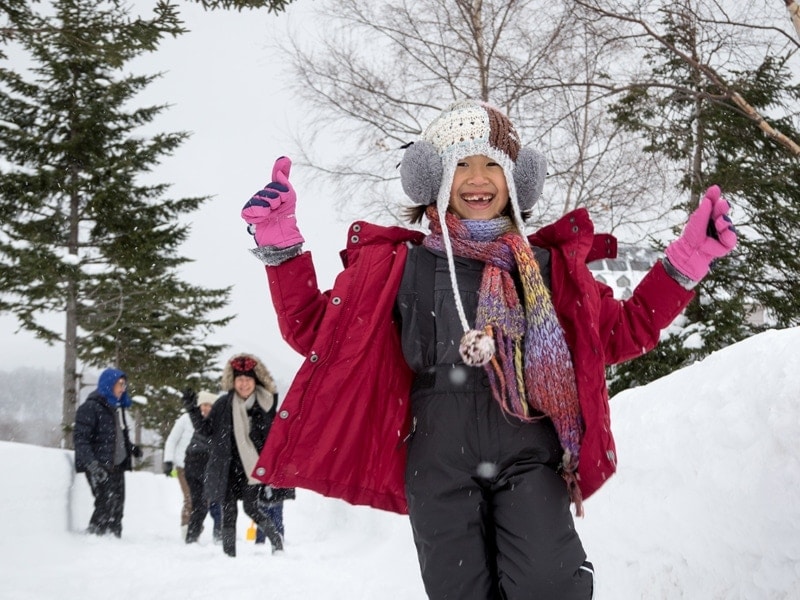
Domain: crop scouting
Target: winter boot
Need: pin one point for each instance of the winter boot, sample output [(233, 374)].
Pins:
[(275, 538), (229, 541), (216, 515), (192, 536)]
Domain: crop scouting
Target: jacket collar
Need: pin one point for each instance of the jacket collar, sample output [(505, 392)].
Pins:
[(574, 235), (362, 234)]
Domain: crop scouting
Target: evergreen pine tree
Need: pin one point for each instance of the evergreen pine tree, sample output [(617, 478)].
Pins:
[(273, 6), (81, 235), (688, 120)]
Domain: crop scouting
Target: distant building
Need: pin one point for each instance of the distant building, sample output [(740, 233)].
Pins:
[(625, 272)]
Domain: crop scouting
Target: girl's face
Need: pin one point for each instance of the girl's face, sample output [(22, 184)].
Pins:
[(244, 386), (479, 189)]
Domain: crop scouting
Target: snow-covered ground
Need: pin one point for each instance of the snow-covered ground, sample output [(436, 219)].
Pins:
[(703, 507)]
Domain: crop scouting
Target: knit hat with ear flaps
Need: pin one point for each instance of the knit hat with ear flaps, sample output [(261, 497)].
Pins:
[(463, 129), (470, 128)]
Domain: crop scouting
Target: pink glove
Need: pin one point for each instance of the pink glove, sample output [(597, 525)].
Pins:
[(708, 235), (270, 212)]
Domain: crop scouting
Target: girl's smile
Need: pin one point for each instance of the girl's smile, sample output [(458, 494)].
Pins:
[(479, 189)]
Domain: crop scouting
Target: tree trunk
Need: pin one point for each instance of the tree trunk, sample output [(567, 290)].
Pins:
[(71, 390), (70, 401)]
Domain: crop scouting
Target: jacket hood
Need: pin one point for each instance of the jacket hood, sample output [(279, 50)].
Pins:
[(264, 377), (105, 386)]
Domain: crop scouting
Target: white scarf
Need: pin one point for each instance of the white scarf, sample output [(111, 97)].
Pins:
[(241, 429)]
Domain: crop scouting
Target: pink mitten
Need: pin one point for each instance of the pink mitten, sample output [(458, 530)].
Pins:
[(270, 213), (708, 235)]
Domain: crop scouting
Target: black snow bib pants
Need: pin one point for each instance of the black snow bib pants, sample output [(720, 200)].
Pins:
[(489, 512)]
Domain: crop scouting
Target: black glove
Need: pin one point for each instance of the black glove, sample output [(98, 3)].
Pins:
[(168, 468), (281, 494), (189, 399), (136, 452), (97, 474)]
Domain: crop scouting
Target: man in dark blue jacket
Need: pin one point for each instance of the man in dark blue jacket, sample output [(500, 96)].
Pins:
[(103, 450)]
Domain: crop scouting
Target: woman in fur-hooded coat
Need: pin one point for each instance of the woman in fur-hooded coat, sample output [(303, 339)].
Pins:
[(220, 425), (237, 426)]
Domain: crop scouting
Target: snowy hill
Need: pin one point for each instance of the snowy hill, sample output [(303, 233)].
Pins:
[(702, 508)]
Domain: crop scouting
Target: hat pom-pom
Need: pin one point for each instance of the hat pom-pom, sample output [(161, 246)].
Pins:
[(476, 348)]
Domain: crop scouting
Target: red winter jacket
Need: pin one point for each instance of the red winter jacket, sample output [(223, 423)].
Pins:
[(341, 428)]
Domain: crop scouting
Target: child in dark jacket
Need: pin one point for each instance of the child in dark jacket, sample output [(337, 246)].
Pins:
[(459, 375), (103, 450), (195, 461)]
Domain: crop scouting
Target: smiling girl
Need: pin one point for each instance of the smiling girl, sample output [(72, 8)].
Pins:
[(459, 375)]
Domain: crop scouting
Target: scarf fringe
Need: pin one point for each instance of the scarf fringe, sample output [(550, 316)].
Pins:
[(574, 491)]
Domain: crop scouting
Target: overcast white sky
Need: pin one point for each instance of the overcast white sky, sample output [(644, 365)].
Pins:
[(226, 85)]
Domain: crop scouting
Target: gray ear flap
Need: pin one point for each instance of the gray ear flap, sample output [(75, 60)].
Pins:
[(529, 173), (421, 172)]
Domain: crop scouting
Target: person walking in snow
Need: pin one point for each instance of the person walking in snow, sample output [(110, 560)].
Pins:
[(174, 452), (237, 426), (196, 459), (459, 375), (103, 449)]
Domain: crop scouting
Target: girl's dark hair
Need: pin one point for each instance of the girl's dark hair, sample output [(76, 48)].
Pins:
[(414, 214)]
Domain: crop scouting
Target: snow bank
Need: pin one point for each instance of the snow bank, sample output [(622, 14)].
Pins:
[(703, 506)]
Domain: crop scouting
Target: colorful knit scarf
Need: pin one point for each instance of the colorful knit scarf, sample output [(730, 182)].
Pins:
[(531, 372)]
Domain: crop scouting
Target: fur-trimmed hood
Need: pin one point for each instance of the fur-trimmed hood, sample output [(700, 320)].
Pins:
[(262, 373)]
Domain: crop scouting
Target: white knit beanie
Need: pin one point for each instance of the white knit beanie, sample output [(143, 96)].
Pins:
[(206, 398)]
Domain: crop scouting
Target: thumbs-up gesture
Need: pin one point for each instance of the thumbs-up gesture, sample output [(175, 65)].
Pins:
[(270, 213)]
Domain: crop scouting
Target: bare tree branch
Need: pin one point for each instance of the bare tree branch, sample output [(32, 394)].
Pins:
[(382, 71), (706, 69)]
